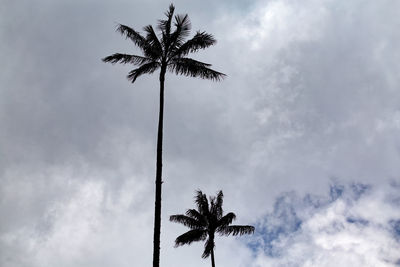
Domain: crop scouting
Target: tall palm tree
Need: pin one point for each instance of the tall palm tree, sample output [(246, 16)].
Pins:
[(207, 220), (166, 51)]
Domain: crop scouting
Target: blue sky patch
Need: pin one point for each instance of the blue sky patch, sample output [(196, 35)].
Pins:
[(279, 228)]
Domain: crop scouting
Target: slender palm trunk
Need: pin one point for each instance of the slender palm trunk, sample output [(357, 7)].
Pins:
[(212, 258), (157, 209)]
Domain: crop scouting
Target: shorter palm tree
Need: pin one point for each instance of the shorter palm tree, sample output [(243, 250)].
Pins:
[(206, 221)]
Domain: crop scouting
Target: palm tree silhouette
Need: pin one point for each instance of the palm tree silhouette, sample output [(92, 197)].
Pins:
[(166, 51), (206, 221)]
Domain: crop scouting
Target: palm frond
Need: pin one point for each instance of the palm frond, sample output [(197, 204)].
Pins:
[(165, 25), (152, 39), (191, 236), (194, 214), (208, 247), (201, 40), (202, 203), (216, 208), (130, 33), (194, 68), (183, 27), (186, 221), (139, 40), (236, 230), (125, 58), (212, 218), (226, 220), (144, 69)]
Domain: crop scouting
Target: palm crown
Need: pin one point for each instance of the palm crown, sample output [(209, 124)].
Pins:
[(169, 52), (207, 220)]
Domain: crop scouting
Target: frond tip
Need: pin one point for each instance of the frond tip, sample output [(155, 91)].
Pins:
[(194, 68), (186, 221), (194, 214), (202, 203), (165, 25), (208, 247), (190, 237), (216, 205), (201, 40), (227, 219), (124, 59), (236, 230), (133, 35), (144, 69)]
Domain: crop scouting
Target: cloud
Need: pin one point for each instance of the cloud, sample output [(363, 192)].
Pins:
[(349, 227), (315, 94), (311, 95)]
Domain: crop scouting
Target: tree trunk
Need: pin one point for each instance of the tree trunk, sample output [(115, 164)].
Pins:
[(157, 204), (212, 258)]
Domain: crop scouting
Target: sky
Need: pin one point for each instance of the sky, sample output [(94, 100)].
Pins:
[(303, 135)]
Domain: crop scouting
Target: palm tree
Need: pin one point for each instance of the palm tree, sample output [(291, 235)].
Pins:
[(206, 221), (166, 51)]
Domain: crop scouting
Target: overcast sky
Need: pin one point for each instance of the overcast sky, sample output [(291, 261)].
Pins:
[(303, 136)]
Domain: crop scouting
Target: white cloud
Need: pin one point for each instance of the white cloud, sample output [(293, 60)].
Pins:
[(274, 25), (312, 93), (352, 230)]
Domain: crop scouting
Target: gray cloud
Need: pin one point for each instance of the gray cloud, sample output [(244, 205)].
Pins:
[(311, 94)]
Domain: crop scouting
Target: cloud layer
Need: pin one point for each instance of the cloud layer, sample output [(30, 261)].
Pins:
[(311, 95), (355, 225)]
